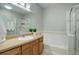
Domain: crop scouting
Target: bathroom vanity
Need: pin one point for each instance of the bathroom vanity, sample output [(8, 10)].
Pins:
[(18, 21), (14, 46)]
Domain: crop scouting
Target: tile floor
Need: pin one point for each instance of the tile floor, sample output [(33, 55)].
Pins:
[(54, 51)]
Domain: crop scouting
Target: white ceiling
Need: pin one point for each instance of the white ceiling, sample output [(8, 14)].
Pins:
[(15, 8), (46, 5)]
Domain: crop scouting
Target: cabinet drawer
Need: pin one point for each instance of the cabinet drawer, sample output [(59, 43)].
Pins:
[(15, 51)]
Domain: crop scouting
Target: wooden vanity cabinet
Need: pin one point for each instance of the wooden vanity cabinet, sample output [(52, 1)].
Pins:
[(34, 47), (41, 45), (27, 49), (14, 51), (38, 46), (30, 48)]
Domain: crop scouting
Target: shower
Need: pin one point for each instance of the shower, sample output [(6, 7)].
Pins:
[(73, 30)]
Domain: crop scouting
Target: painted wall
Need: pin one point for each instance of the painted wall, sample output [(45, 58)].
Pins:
[(55, 22), (55, 17), (37, 17)]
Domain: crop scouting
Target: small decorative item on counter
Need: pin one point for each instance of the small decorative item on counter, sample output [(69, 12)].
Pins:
[(30, 30), (34, 30)]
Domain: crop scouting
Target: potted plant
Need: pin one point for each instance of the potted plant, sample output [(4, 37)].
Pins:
[(34, 30), (30, 30)]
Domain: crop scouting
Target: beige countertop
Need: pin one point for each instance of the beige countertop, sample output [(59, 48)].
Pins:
[(14, 42)]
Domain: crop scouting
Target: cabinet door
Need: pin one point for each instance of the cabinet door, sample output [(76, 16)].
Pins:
[(27, 49), (15, 51), (35, 49), (40, 47)]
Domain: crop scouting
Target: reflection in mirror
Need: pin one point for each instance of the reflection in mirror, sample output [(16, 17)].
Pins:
[(15, 18)]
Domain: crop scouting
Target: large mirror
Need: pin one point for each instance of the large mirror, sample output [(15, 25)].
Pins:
[(17, 20)]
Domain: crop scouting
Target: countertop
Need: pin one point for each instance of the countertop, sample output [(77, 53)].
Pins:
[(14, 42)]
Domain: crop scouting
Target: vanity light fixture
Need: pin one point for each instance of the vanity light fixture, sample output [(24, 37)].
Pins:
[(28, 6), (7, 7)]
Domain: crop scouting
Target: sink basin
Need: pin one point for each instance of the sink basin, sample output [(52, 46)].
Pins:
[(2, 40), (25, 38)]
